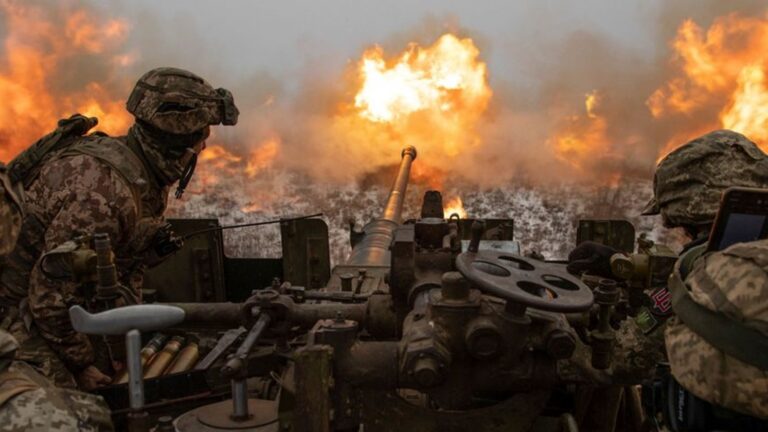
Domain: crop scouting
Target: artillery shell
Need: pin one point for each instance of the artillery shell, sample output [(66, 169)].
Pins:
[(185, 360), (162, 359), (149, 350)]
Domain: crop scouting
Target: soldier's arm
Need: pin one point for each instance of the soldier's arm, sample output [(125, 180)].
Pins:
[(88, 197)]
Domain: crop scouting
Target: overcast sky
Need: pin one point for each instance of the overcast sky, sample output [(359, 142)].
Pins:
[(281, 37)]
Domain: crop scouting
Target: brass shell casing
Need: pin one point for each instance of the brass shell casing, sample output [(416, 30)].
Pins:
[(186, 359), (149, 351), (161, 360)]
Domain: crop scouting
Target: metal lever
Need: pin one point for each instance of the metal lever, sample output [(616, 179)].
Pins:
[(235, 369), (129, 320), (119, 321)]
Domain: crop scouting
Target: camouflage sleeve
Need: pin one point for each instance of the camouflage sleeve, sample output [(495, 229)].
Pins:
[(10, 214), (637, 353), (84, 197)]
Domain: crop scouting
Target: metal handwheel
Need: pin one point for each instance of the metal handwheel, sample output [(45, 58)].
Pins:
[(525, 281)]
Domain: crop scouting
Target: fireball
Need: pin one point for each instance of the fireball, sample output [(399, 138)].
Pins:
[(430, 97), (720, 69), (36, 46)]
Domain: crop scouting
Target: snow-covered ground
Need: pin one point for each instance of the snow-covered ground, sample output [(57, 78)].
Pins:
[(545, 217)]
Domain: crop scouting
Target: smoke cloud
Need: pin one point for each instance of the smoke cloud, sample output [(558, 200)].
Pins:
[(578, 112)]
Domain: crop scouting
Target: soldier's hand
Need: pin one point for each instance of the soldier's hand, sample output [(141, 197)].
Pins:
[(591, 257), (91, 378)]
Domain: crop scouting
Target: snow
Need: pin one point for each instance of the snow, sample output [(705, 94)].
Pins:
[(545, 217)]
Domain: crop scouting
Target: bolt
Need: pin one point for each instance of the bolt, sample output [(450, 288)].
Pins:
[(426, 373), (454, 286), (339, 317), (346, 281), (560, 344)]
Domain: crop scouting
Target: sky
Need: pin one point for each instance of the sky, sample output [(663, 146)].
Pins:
[(288, 62), (244, 37)]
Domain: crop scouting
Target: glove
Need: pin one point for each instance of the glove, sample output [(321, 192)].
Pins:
[(591, 257)]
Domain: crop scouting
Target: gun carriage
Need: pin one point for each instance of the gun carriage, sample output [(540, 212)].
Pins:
[(431, 324)]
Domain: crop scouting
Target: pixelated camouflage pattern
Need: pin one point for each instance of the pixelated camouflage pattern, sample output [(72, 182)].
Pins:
[(35, 351), (179, 102), (733, 282), (8, 347), (166, 152), (636, 354), (75, 195), (10, 214), (35, 405), (689, 182)]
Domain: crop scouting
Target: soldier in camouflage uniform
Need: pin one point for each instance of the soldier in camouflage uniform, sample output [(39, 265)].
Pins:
[(690, 181), (687, 187), (99, 184), (718, 341), (27, 400), (688, 184)]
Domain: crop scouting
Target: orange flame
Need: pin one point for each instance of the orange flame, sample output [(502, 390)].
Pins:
[(454, 206), (262, 157), (445, 77), (748, 111), (430, 97), (216, 162), (36, 46), (582, 136), (721, 69)]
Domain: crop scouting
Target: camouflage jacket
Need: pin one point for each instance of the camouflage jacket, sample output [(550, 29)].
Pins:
[(97, 185), (29, 402), (10, 214), (734, 283)]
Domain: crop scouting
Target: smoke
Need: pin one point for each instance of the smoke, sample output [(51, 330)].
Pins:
[(540, 134), (577, 112), (518, 134)]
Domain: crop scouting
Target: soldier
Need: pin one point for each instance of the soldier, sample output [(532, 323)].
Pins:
[(80, 185), (687, 187), (717, 342), (688, 184), (27, 400)]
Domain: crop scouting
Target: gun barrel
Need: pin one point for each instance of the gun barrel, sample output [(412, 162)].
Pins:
[(394, 209), (373, 249)]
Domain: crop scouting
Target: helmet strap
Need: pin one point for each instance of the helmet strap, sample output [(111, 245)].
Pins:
[(189, 171)]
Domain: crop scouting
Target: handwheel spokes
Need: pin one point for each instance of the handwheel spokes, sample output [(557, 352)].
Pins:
[(531, 283)]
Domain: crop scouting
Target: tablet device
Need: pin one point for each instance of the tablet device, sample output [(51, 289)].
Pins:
[(743, 217)]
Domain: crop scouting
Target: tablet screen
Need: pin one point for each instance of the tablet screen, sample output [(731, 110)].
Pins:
[(742, 228)]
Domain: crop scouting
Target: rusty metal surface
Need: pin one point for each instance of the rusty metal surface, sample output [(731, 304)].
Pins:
[(393, 209), (388, 412), (196, 272), (617, 233), (306, 253), (215, 417), (373, 249), (525, 281), (313, 369), (397, 340)]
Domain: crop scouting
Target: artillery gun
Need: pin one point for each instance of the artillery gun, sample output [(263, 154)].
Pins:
[(432, 324)]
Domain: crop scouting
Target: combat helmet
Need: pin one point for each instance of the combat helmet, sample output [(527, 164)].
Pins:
[(179, 102), (717, 343), (174, 110), (689, 182)]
